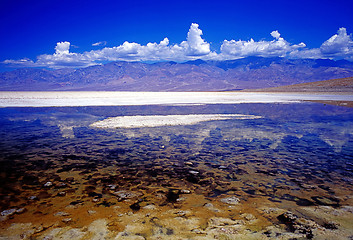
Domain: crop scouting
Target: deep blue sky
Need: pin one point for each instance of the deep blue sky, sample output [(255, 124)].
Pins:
[(32, 28)]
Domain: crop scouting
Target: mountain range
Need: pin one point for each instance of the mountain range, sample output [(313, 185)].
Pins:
[(198, 75)]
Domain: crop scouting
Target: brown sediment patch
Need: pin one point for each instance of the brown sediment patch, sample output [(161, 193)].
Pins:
[(335, 103)]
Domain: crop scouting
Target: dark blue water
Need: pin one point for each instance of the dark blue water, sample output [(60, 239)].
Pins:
[(297, 153)]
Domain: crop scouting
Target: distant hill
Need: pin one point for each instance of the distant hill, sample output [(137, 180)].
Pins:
[(333, 85), (199, 75)]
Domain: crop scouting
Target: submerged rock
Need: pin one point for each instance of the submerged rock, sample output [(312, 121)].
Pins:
[(231, 200), (219, 221), (91, 212), (62, 194), (173, 195), (61, 214), (248, 216), (136, 206), (124, 194), (21, 210), (66, 220), (298, 225), (8, 212), (150, 207), (184, 191), (48, 184), (33, 198), (347, 209)]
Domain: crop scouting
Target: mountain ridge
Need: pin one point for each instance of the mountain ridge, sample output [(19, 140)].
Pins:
[(197, 75)]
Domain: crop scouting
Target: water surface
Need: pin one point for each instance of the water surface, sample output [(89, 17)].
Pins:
[(291, 156)]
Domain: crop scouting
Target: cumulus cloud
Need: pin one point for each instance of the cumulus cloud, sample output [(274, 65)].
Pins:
[(339, 46), (97, 44), (194, 47), (275, 34), (191, 49), (277, 47), (60, 59), (62, 48)]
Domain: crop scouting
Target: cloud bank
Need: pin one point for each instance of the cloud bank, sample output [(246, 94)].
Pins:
[(277, 47), (339, 46)]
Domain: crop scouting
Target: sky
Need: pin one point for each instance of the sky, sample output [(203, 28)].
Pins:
[(57, 34)]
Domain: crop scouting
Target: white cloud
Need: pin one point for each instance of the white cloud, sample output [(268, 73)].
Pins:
[(195, 45), (192, 48), (25, 62), (62, 48), (275, 34), (339, 45), (97, 44), (277, 47), (306, 53)]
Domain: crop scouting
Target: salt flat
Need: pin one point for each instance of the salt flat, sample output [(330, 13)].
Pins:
[(99, 98)]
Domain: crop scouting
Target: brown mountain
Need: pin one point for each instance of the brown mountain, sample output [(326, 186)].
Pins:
[(334, 85)]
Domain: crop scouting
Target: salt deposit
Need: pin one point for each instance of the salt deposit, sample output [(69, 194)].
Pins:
[(164, 120), (56, 99)]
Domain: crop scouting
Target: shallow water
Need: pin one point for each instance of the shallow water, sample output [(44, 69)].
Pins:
[(296, 155)]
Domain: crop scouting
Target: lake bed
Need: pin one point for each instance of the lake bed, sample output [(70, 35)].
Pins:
[(255, 166)]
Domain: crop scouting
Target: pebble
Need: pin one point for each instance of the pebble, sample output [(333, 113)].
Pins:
[(208, 205), (21, 210), (248, 216), (193, 172), (33, 198), (8, 212), (62, 185), (126, 194), (181, 199), (231, 200), (112, 186), (66, 220), (182, 213), (150, 207), (347, 209), (220, 221), (197, 231), (91, 212), (48, 184), (184, 191), (61, 214)]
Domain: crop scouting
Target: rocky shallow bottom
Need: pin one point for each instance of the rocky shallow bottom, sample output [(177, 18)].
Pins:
[(208, 221), (259, 178)]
